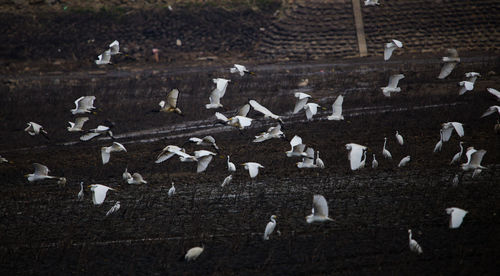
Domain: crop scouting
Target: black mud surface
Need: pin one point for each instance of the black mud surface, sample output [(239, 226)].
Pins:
[(45, 230)]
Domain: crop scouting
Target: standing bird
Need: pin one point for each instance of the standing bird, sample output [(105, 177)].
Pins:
[(136, 179), (494, 92), (113, 209), (318, 162), (458, 155), (389, 47), (404, 161), (193, 253), (80, 193), (439, 144), (374, 162), (99, 193), (337, 109), (448, 130), (385, 152), (355, 154), (106, 151), (84, 104), (217, 93), (414, 246), (456, 216), (241, 69), (492, 109), (363, 161), (392, 87), (227, 180), (230, 165), (35, 129), (78, 124), (270, 227), (319, 210), (104, 58), (253, 168), (171, 191), (399, 137), (170, 105), (204, 157), (302, 99), (455, 180), (41, 173), (449, 63)]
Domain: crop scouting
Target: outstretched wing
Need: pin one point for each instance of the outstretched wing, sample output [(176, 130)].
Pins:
[(320, 205), (446, 69), (394, 79), (172, 97), (337, 106)]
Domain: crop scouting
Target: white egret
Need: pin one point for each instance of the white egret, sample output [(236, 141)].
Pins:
[(171, 191), (207, 141), (193, 253), (355, 154), (319, 210), (476, 172), (3, 160), (465, 86), (363, 161), (35, 129), (439, 144), (474, 158), (311, 110), (399, 137), (337, 109), (237, 121), (374, 162), (204, 158), (217, 93), (41, 173), (230, 165), (227, 180), (114, 47), (270, 227), (78, 124), (297, 147), (80, 193), (62, 181), (390, 47), (84, 104), (414, 246), (136, 179), (302, 99), (449, 63), (105, 128), (170, 105), (448, 130), (392, 87), (308, 160), (492, 109), (472, 76), (303, 82), (104, 58), (113, 209), (456, 216), (372, 3), (494, 92), (404, 161), (253, 168), (171, 150), (126, 175), (99, 193), (258, 107), (455, 180), (319, 162), (272, 132), (238, 68), (385, 152), (106, 151), (458, 155)]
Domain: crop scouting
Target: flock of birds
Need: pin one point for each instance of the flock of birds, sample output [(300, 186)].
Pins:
[(309, 157)]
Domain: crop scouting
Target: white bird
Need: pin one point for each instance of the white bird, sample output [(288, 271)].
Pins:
[(494, 92), (399, 137), (465, 86), (319, 163), (104, 58), (136, 179), (389, 47), (204, 158), (492, 109), (207, 141), (253, 168), (297, 147), (99, 193), (270, 227), (272, 132), (84, 104), (126, 175), (35, 129), (169, 151), (238, 68), (114, 47), (302, 99), (308, 160), (414, 246), (237, 121), (355, 154), (258, 107), (3, 160), (78, 124), (80, 193), (337, 109), (472, 76), (171, 191), (101, 129), (374, 162), (455, 180), (458, 155), (371, 3), (113, 209), (363, 161), (404, 161), (385, 152), (106, 151), (448, 130), (41, 173), (62, 181), (227, 180), (392, 87), (170, 105), (474, 158), (439, 144), (217, 93), (449, 63), (193, 253), (303, 83), (456, 216), (319, 210), (230, 165), (311, 110)]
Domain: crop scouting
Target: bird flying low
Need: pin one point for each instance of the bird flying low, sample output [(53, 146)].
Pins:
[(390, 47), (456, 216), (78, 124), (311, 110), (272, 132), (355, 154), (170, 105), (106, 151), (494, 92), (308, 160), (105, 128), (204, 157), (448, 130), (207, 141), (104, 58), (253, 168), (267, 114), (392, 87), (297, 149), (217, 93), (99, 193), (241, 69), (136, 179), (237, 121), (193, 253), (449, 63), (41, 173), (113, 209), (492, 109), (474, 158), (169, 151), (319, 210), (35, 129), (114, 47), (372, 3), (84, 104), (337, 109)]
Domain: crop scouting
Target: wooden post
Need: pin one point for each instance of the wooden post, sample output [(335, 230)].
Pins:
[(360, 28)]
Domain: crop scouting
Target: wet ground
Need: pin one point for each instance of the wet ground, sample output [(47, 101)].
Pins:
[(45, 230)]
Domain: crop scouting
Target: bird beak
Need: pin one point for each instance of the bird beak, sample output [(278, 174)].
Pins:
[(89, 186), (324, 108)]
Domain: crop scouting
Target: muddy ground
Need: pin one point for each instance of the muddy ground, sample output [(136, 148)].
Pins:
[(45, 230)]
